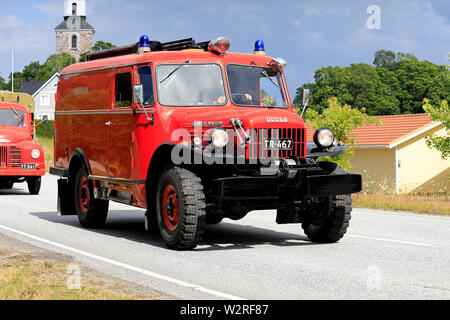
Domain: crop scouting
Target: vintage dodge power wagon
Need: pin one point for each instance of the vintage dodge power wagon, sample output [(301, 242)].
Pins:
[(194, 134)]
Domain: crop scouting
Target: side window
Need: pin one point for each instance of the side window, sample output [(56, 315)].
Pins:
[(145, 78), (123, 90)]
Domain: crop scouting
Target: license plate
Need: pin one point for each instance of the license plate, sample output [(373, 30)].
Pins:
[(278, 144), (28, 166)]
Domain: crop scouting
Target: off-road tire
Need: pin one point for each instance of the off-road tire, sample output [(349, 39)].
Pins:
[(334, 225), (183, 190), (151, 222), (7, 186), (336, 218), (93, 213), (34, 185)]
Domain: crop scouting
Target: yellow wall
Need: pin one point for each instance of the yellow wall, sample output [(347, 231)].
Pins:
[(421, 168), (377, 167)]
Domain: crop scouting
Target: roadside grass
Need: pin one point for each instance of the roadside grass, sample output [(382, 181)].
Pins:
[(432, 204), (26, 278), (47, 144)]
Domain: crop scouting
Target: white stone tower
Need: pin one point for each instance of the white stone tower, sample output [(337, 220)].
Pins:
[(74, 35)]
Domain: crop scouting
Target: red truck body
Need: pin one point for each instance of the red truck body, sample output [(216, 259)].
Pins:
[(21, 158), (110, 149)]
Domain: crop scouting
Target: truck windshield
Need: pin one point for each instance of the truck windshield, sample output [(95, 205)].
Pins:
[(12, 117), (190, 85), (256, 86)]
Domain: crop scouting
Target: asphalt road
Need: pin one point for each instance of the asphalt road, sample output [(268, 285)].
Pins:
[(385, 255)]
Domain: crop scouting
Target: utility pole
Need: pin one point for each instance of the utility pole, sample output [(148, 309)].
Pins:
[(12, 68)]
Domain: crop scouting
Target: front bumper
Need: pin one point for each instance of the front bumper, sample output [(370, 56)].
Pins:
[(22, 172), (306, 183)]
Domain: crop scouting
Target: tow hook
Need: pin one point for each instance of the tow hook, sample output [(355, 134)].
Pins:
[(238, 122)]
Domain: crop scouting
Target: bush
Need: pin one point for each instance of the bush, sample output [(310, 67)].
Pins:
[(45, 130)]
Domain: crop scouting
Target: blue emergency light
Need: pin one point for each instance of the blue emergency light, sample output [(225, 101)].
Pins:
[(259, 47), (144, 42)]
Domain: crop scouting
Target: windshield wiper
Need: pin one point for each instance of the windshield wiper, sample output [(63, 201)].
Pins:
[(17, 114), (267, 76), (173, 71)]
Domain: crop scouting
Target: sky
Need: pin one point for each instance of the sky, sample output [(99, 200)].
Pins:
[(308, 34)]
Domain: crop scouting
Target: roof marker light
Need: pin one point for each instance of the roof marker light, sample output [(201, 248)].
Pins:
[(219, 45), (144, 44), (259, 48)]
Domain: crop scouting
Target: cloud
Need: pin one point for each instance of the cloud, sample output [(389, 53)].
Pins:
[(314, 36)]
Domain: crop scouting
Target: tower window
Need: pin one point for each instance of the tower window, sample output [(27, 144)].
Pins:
[(74, 9), (74, 42)]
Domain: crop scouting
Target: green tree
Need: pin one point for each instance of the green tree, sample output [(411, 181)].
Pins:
[(439, 113), (342, 120), (385, 59), (31, 72), (397, 85), (390, 60), (359, 85), (54, 63), (420, 79), (98, 46), (2, 83), (17, 81)]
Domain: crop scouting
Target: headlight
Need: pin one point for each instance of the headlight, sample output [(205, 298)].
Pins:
[(219, 138), (197, 141), (35, 154), (324, 137)]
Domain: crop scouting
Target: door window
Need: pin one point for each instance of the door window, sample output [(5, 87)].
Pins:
[(123, 90)]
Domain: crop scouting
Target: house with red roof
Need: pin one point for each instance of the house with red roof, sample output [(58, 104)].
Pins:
[(393, 157)]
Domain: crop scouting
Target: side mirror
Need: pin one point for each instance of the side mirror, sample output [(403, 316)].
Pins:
[(306, 96), (42, 122), (138, 94)]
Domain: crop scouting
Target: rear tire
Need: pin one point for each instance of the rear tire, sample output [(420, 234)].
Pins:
[(180, 208), (7, 185), (92, 213), (34, 185), (329, 221)]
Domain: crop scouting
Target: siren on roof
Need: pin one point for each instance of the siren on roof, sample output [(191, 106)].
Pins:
[(219, 45), (259, 48), (144, 44)]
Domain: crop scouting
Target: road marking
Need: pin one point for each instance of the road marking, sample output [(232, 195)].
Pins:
[(126, 266), (390, 240)]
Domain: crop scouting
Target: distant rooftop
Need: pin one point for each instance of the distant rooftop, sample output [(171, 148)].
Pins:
[(30, 87), (72, 23), (392, 130)]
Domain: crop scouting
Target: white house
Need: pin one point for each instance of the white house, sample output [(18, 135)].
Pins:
[(45, 99)]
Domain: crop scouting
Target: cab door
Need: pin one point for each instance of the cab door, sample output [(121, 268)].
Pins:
[(120, 125)]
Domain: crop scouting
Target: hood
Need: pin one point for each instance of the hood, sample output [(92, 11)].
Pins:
[(251, 117), (10, 134)]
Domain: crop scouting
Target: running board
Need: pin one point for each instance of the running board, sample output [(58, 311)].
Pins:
[(120, 196)]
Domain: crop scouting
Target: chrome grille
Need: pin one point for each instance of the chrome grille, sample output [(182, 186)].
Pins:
[(256, 148), (15, 157), (3, 157)]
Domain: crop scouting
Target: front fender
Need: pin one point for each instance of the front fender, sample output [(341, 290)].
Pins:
[(314, 152)]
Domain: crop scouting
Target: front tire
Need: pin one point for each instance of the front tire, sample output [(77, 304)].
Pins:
[(7, 185), (34, 185), (180, 208), (328, 221), (92, 213)]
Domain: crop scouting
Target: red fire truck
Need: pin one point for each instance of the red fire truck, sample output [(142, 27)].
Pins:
[(21, 158), (194, 134)]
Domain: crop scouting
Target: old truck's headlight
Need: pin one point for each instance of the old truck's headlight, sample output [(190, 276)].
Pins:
[(219, 138), (324, 137), (35, 154)]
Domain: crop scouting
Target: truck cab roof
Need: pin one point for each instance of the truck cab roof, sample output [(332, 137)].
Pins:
[(167, 57)]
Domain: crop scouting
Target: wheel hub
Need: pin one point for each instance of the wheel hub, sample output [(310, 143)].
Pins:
[(170, 207), (84, 195)]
